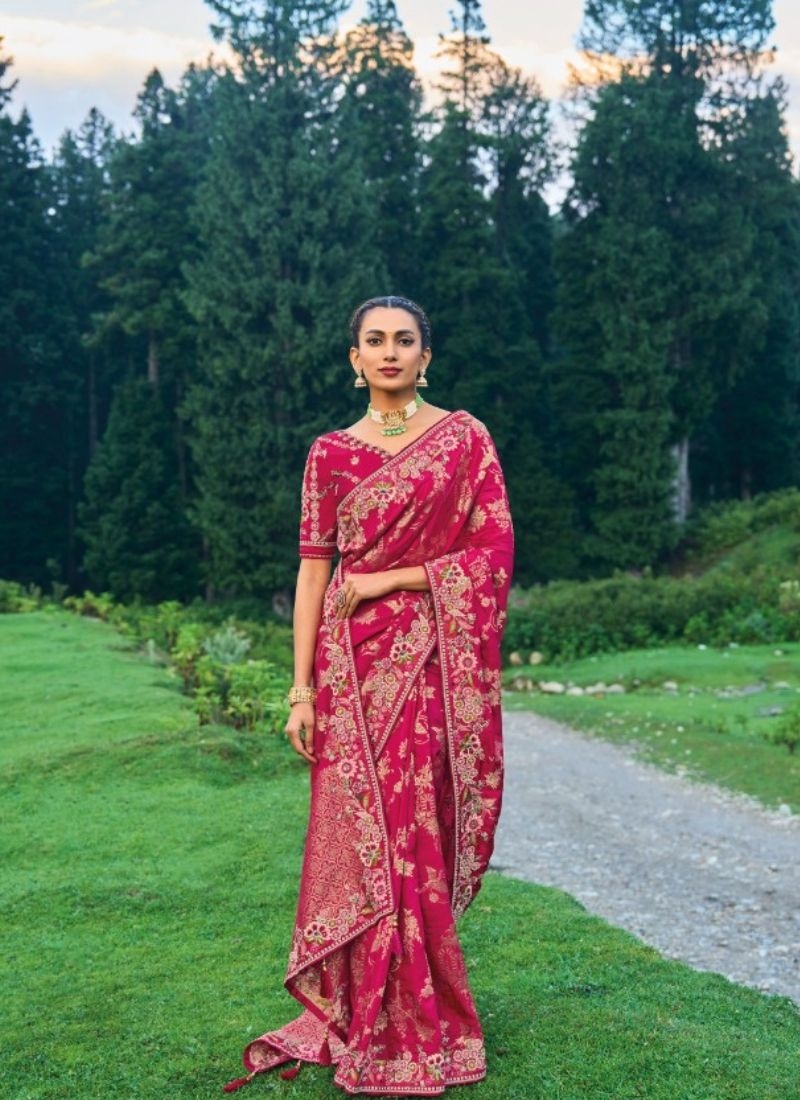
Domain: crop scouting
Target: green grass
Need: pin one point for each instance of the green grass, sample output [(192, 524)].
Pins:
[(695, 730), (148, 887)]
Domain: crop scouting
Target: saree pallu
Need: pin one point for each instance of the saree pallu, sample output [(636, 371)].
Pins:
[(406, 793)]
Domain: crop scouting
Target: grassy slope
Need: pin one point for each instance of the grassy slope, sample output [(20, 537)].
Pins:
[(713, 738), (148, 887)]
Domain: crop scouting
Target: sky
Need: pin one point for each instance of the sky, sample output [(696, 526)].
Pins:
[(71, 55)]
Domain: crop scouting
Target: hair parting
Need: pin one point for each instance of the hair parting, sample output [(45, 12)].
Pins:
[(391, 301)]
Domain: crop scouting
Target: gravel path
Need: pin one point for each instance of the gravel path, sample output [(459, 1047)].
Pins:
[(702, 875)]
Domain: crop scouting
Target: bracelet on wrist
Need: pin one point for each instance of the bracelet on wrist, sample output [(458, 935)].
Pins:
[(302, 695)]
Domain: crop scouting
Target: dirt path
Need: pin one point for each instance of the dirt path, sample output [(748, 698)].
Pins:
[(703, 875)]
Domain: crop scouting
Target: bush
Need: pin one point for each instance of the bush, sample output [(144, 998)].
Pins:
[(14, 599), (722, 526), (786, 731), (570, 619), (240, 695), (91, 605)]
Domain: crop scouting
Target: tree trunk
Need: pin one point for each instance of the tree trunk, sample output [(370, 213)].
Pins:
[(153, 362), (681, 486), (92, 395)]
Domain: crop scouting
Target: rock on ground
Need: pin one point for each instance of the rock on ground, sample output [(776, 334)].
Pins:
[(701, 874)]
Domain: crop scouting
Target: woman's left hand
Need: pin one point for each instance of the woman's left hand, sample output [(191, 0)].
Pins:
[(361, 586)]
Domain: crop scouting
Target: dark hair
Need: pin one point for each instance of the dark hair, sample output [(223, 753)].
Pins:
[(391, 302)]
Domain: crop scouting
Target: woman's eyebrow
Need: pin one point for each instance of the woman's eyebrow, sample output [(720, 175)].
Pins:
[(380, 332)]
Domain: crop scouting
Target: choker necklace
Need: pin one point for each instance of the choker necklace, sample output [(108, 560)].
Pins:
[(394, 421)]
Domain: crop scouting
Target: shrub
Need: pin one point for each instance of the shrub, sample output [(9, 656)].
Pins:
[(92, 605), (570, 619), (786, 731), (14, 598), (228, 646), (240, 695)]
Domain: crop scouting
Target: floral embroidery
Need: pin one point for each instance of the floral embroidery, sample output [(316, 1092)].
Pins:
[(406, 791)]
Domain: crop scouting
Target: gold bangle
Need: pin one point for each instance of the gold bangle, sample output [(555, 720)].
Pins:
[(302, 695)]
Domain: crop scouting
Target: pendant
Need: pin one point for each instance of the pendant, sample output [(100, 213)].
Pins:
[(394, 422)]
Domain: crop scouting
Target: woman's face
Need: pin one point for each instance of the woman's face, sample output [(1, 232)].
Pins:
[(390, 351)]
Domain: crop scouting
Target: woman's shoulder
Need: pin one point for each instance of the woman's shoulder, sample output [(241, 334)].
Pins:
[(333, 439), (475, 427)]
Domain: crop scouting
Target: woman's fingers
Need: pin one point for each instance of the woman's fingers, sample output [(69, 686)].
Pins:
[(347, 600), (301, 737)]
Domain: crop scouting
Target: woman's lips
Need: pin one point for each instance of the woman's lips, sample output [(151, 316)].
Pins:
[(391, 371)]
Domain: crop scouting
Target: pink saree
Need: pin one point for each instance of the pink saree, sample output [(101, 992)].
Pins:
[(406, 793)]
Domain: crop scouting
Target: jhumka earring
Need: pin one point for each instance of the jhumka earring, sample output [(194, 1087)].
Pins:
[(422, 381), (360, 382)]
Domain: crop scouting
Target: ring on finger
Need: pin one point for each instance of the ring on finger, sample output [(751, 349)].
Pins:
[(341, 597)]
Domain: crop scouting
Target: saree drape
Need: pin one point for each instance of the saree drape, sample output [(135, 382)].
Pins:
[(406, 793)]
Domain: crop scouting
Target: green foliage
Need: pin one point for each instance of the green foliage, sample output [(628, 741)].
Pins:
[(377, 120), (567, 619), (639, 348), (721, 527), (40, 389), (138, 540), (14, 598), (675, 276), (92, 606), (786, 731), (283, 224), (228, 646), (749, 595), (243, 695), (684, 38)]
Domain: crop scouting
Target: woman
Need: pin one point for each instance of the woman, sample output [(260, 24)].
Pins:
[(396, 706)]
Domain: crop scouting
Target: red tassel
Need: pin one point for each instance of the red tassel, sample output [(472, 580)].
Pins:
[(290, 1074), (239, 1083)]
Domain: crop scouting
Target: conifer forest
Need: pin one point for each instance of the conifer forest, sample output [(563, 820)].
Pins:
[(174, 301)]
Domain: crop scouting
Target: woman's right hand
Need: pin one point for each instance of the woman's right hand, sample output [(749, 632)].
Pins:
[(300, 730)]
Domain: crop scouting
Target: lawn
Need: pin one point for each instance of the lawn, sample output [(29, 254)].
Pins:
[(148, 883), (709, 726)]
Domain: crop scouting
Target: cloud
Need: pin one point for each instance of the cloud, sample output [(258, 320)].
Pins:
[(98, 5), (65, 68), (59, 52)]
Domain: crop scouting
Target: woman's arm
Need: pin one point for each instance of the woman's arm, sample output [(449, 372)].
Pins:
[(312, 580), (368, 586)]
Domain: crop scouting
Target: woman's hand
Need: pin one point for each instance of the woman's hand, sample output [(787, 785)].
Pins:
[(362, 586), (300, 729)]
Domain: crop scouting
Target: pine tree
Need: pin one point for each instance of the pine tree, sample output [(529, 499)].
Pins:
[(79, 185), (485, 234), (378, 120), (132, 521), (37, 388), (145, 238), (286, 250), (142, 243), (464, 49), (654, 269), (751, 441)]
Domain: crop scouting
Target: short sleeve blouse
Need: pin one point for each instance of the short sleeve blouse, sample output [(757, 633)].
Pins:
[(318, 504)]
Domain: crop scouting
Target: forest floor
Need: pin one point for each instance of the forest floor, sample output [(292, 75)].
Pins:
[(148, 887), (700, 873)]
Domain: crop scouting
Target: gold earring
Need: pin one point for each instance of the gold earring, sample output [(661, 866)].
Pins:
[(422, 381), (360, 383)]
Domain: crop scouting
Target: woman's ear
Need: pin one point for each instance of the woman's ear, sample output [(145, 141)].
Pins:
[(354, 359)]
